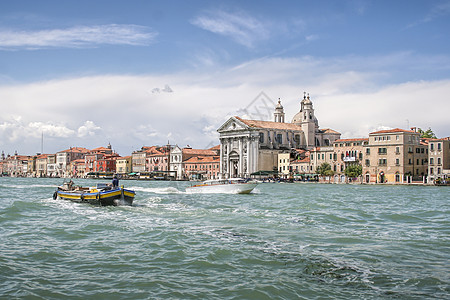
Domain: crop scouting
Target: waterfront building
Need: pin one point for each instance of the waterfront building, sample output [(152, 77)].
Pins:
[(139, 158), (395, 156), (347, 152), (78, 168), (302, 167), (320, 155), (41, 165), (107, 163), (123, 165), (252, 146), (284, 163), (158, 162), (439, 159), (178, 157), (17, 165), (202, 167), (63, 159), (51, 166), (31, 166)]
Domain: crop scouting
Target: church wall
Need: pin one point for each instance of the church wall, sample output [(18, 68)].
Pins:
[(268, 160)]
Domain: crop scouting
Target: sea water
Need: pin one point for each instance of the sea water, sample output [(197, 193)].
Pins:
[(282, 241)]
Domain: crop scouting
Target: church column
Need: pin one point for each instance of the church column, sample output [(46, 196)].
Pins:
[(248, 157), (221, 159), (241, 157), (229, 171)]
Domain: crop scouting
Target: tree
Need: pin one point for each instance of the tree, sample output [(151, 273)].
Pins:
[(325, 170), (426, 134), (353, 171)]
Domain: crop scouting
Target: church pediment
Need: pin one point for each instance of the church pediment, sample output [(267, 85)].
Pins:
[(232, 124)]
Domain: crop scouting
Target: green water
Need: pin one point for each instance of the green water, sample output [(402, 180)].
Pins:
[(284, 241)]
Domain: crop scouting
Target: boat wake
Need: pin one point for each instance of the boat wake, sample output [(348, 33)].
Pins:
[(162, 190)]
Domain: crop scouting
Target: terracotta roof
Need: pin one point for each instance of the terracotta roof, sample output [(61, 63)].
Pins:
[(270, 125), (351, 140), (303, 160), (158, 154), (78, 161), (215, 148), (124, 157), (441, 139), (395, 130), (203, 159), (76, 149), (203, 152), (101, 149), (328, 130)]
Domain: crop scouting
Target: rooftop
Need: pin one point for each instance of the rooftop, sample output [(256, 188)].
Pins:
[(395, 130)]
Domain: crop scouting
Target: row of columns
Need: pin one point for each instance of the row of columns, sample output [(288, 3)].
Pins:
[(245, 160)]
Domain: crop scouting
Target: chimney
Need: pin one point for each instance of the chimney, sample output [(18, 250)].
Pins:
[(414, 129)]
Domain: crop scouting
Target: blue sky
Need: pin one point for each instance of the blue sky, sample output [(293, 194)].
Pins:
[(134, 73)]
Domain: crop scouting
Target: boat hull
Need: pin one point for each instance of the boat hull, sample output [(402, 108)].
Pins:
[(237, 188), (114, 197)]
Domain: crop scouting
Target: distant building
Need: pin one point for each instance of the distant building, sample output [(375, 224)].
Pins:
[(395, 156), (252, 146), (202, 167), (63, 159), (178, 157), (439, 159), (52, 170), (123, 165)]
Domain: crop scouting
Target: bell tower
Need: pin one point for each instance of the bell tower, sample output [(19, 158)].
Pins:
[(279, 112)]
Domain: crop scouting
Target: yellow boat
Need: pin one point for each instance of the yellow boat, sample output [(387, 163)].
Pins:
[(102, 194)]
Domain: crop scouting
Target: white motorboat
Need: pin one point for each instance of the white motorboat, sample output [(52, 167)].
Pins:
[(228, 186)]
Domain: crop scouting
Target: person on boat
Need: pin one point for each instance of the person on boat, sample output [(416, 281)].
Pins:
[(115, 182)]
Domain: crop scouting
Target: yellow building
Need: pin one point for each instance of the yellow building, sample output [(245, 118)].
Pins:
[(395, 156), (123, 165)]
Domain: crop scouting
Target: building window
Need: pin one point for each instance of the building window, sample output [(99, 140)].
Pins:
[(439, 146), (367, 151), (382, 150), (397, 150), (410, 150), (279, 138), (431, 171), (382, 161), (431, 161), (439, 161), (438, 170), (410, 162), (432, 146), (397, 161), (261, 137)]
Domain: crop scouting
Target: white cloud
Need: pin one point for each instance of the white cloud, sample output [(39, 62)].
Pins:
[(88, 129), (77, 37), (241, 27), (121, 110)]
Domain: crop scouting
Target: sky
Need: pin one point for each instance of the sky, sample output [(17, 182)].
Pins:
[(140, 73)]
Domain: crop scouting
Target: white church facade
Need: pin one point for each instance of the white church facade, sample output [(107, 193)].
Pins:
[(251, 146)]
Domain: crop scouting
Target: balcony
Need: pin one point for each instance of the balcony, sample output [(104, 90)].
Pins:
[(349, 159)]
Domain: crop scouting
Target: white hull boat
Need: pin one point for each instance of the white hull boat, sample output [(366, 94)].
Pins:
[(226, 186)]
